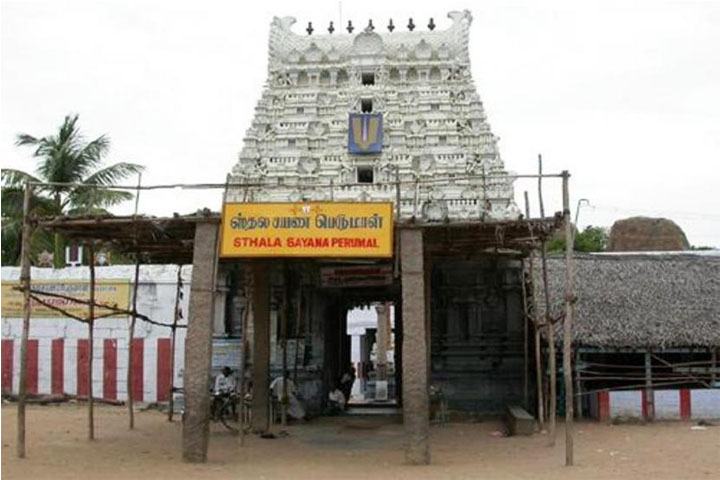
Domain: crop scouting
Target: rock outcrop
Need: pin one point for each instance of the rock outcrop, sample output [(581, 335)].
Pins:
[(644, 234)]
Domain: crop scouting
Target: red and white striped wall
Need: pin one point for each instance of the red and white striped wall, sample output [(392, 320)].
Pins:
[(681, 404), (58, 347), (59, 366)]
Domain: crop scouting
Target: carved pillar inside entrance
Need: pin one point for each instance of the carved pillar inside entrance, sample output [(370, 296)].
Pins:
[(383, 323)]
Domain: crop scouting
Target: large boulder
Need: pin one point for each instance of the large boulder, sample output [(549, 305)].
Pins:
[(644, 234)]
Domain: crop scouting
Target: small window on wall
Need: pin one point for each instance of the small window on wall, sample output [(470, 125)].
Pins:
[(442, 140), (291, 142), (434, 106), (365, 174), (366, 105), (368, 78)]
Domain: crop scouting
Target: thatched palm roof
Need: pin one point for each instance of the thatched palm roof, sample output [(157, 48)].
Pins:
[(640, 300)]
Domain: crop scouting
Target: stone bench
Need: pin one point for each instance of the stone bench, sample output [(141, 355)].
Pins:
[(519, 421)]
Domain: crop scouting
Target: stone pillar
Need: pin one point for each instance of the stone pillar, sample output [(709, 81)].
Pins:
[(198, 344), (383, 313), (261, 347), (414, 352)]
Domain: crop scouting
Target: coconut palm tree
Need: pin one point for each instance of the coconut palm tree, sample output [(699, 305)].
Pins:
[(64, 158)]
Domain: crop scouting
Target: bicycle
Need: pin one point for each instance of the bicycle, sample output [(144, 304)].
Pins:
[(224, 409)]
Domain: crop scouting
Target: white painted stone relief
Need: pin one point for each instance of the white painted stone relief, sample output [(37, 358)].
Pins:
[(435, 131)]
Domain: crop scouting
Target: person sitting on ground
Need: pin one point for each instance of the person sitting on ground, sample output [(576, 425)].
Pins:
[(336, 401), (346, 382), (295, 408)]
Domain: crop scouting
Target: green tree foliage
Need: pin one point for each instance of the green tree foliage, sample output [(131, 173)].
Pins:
[(592, 239), (64, 157)]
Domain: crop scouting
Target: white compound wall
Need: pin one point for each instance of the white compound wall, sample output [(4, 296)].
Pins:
[(58, 346)]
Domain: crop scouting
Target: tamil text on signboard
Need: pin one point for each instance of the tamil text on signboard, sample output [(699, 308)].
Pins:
[(312, 229), (107, 292)]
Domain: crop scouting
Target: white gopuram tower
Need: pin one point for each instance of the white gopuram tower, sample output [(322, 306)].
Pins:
[(345, 117)]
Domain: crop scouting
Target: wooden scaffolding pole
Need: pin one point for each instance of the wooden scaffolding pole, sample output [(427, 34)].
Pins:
[(91, 325), (173, 336), (25, 283), (133, 320), (552, 358), (552, 407), (567, 330), (131, 347)]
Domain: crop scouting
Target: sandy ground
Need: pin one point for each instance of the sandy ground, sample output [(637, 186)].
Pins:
[(363, 448)]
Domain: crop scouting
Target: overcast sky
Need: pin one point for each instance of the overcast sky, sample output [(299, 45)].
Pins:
[(624, 94)]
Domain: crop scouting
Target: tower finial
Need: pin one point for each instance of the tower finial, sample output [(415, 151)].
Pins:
[(331, 28), (370, 26), (431, 25), (411, 25), (350, 27), (309, 28), (390, 26)]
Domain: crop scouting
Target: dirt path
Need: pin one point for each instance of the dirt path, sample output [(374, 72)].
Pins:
[(338, 449)]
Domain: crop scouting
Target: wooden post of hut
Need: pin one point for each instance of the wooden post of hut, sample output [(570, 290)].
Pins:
[(538, 352), (91, 325), (649, 393), (567, 324), (552, 367), (133, 320), (173, 335), (25, 283)]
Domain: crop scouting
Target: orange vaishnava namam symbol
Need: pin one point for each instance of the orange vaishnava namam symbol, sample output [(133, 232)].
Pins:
[(307, 229)]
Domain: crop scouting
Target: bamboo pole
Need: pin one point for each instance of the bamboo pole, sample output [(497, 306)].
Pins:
[(552, 360), (527, 205), (91, 325), (540, 177), (25, 282), (567, 330), (133, 319), (173, 335), (552, 407), (131, 346)]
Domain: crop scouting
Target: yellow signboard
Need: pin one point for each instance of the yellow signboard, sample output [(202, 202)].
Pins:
[(107, 292), (307, 229)]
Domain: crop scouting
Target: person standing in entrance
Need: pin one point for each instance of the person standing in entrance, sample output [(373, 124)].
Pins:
[(346, 382)]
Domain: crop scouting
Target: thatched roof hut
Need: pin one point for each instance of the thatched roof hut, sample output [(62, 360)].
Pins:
[(667, 300)]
